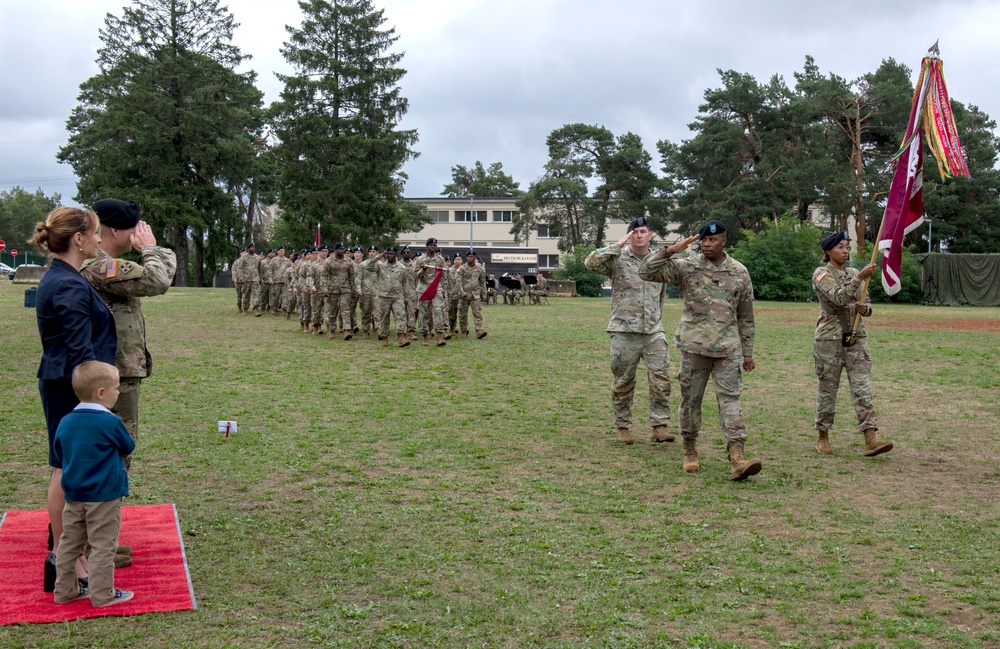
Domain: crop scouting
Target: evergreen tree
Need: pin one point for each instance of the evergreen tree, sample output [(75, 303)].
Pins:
[(20, 210), (169, 122), (482, 182), (340, 150)]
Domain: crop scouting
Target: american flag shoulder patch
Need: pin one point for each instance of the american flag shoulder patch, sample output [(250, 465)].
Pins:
[(112, 270), (820, 276)]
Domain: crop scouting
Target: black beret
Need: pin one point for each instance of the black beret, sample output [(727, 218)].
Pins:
[(640, 222), (339, 244), (471, 253), (117, 214), (406, 247), (280, 248), (372, 247), (325, 247), (250, 245), (389, 249), (831, 240), (712, 227), (270, 251), (243, 249), (316, 249), (431, 240), (447, 257)]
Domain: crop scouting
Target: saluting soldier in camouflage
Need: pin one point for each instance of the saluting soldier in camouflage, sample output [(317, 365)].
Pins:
[(636, 331), (242, 288), (716, 328), (121, 283), (410, 293), (837, 288), (342, 283), (454, 294), (319, 290), (430, 313), (278, 266), (472, 284), (390, 278)]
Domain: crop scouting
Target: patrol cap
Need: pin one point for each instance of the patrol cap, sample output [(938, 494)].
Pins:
[(372, 247), (640, 222), (430, 241), (712, 227), (389, 249), (339, 244), (117, 214), (831, 240)]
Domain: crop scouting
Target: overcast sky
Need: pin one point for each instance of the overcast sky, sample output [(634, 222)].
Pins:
[(490, 79)]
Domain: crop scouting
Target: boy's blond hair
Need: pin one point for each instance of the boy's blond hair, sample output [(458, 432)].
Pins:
[(91, 375)]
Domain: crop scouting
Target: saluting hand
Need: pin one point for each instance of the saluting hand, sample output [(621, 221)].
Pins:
[(625, 239), (681, 246), (142, 236)]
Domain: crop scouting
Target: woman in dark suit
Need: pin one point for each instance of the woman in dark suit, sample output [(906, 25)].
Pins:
[(75, 324)]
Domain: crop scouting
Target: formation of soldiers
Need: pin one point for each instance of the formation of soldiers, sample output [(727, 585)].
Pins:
[(323, 287)]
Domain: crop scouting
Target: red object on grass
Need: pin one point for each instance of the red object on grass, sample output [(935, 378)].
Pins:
[(159, 575)]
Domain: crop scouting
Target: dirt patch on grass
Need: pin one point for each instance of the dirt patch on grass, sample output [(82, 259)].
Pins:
[(956, 324)]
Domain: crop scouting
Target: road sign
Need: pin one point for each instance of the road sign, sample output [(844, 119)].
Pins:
[(2, 245), (13, 252)]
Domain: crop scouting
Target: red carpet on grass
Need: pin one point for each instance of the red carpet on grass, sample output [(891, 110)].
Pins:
[(159, 575)]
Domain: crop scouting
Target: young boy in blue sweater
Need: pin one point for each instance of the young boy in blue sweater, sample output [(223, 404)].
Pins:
[(91, 444)]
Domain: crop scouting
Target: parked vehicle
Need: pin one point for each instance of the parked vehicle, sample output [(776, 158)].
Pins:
[(13, 273), (6, 270)]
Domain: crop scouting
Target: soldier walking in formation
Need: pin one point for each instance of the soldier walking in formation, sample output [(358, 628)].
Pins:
[(636, 331), (251, 268), (239, 281), (279, 264), (431, 313), (341, 282), (266, 281), (369, 288), (836, 347), (454, 294), (472, 284), (318, 288), (390, 278), (715, 337)]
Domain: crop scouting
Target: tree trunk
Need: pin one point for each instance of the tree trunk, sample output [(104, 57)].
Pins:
[(199, 257), (180, 241)]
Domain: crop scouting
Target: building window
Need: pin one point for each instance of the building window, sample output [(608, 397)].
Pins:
[(438, 216), (546, 231), (548, 261), (504, 216), (465, 217)]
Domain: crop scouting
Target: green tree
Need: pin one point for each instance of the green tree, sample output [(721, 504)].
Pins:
[(340, 149), (572, 267), (168, 121), (481, 182), (781, 258), (20, 211)]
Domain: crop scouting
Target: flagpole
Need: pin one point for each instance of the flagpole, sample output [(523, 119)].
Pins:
[(864, 287)]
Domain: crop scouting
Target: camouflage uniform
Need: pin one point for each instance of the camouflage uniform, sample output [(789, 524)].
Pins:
[(341, 282), (278, 267), (319, 293), (266, 281), (472, 284), (410, 297), (251, 268), (836, 290), (389, 280), (538, 290), (291, 284), (305, 283), (636, 333), (369, 293), (430, 313), (454, 294), (716, 329), (243, 291), (121, 283)]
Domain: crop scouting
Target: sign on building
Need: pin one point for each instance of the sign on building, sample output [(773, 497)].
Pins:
[(513, 258)]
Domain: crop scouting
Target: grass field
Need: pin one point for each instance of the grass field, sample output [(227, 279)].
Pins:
[(473, 495)]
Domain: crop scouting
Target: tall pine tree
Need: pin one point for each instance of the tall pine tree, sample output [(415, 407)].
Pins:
[(170, 123), (340, 149)]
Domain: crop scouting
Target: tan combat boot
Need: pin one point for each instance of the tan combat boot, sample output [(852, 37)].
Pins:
[(823, 443), (480, 335), (257, 313), (288, 315), (875, 446), (401, 340), (440, 337), (330, 334), (368, 335), (412, 334), (348, 335), (660, 434), (624, 436), (385, 340), (317, 330), (742, 467), (424, 341), (691, 456)]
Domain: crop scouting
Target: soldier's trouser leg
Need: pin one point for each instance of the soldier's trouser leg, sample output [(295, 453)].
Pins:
[(318, 308), (277, 293), (239, 300), (477, 314), (463, 315), (452, 313), (424, 316), (255, 294), (411, 313), (383, 307), (367, 312), (305, 305), (859, 366), (693, 377), (127, 407), (265, 296), (727, 373), (246, 295), (829, 362), (353, 309), (398, 308), (440, 320), (656, 358), (626, 350)]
